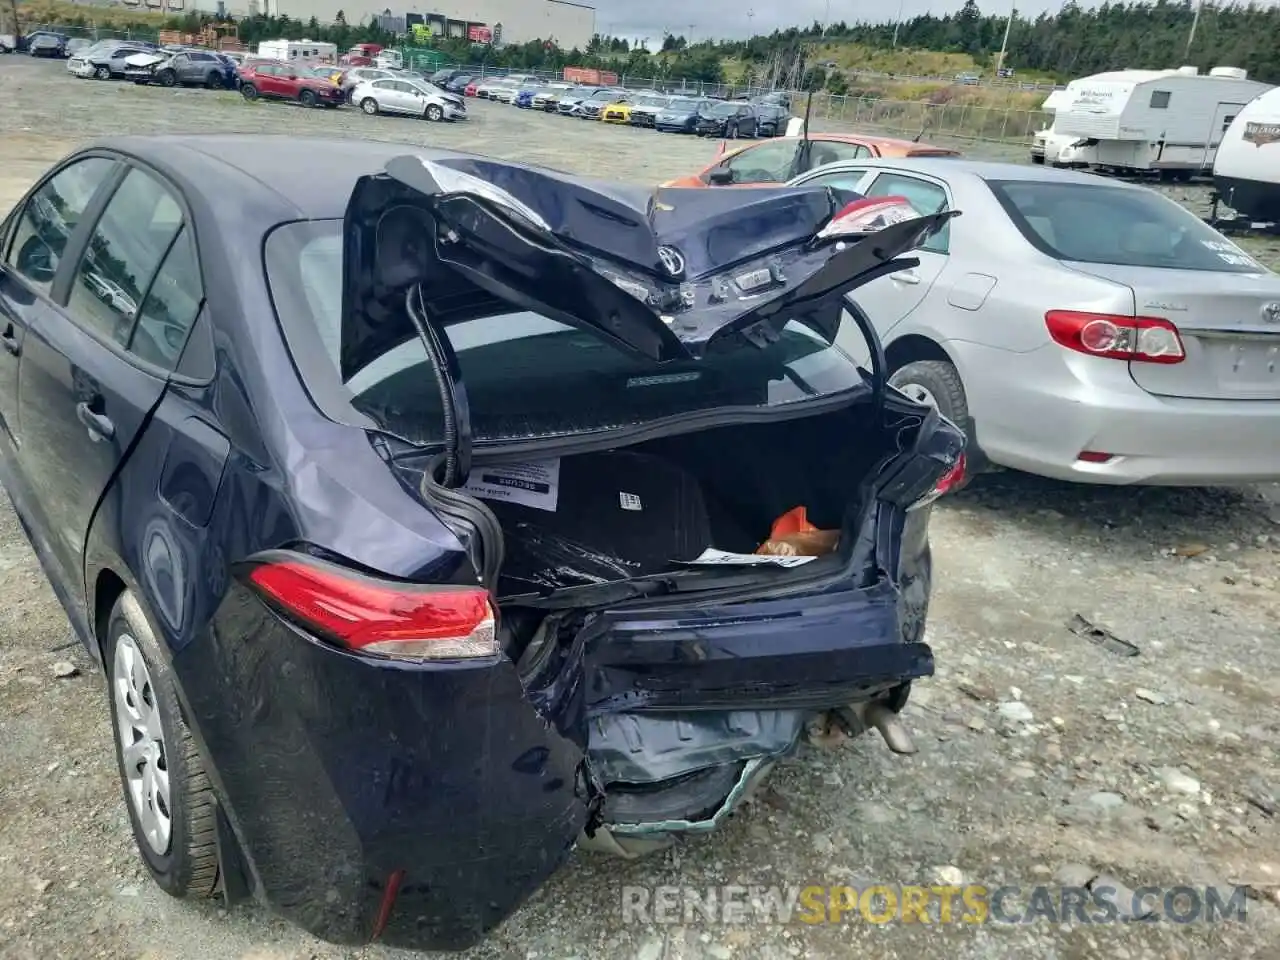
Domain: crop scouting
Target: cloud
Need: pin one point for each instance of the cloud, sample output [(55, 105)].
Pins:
[(729, 20)]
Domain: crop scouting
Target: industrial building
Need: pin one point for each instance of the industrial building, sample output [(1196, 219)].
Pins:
[(567, 24)]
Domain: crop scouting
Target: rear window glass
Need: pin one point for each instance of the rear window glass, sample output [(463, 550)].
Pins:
[(526, 376), (1095, 223)]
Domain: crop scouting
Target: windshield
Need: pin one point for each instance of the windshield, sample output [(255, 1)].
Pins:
[(1091, 223), (683, 106), (724, 109), (526, 376)]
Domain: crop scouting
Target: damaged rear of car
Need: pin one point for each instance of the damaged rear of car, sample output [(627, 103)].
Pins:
[(685, 529)]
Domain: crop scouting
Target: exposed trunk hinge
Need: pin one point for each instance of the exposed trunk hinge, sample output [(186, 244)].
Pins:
[(453, 391)]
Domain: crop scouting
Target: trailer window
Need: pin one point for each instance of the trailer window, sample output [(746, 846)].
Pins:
[(1160, 99)]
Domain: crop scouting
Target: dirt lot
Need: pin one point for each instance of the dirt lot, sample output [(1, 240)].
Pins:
[(1045, 758)]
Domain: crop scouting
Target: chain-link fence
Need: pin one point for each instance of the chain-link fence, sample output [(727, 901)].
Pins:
[(960, 121)]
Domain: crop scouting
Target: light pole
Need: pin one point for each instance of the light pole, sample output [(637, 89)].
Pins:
[(1195, 22), (1004, 44), (826, 20), (897, 23)]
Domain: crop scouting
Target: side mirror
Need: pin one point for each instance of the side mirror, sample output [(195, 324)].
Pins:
[(720, 176), (36, 260)]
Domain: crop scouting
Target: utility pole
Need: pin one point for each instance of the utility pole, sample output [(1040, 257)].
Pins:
[(826, 20), (1195, 22), (1004, 44), (17, 27), (897, 23)]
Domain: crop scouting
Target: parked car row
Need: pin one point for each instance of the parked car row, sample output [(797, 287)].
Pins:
[(373, 90), (765, 116)]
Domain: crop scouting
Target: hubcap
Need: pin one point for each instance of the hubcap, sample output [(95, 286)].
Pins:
[(142, 746), (919, 394)]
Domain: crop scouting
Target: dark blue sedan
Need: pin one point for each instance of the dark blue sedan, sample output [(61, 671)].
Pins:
[(430, 514)]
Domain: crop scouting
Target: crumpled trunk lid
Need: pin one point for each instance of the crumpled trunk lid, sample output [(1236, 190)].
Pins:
[(660, 272)]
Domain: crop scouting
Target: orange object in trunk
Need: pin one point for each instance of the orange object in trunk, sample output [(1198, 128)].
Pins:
[(794, 536)]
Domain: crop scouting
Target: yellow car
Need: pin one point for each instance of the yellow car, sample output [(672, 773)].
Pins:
[(617, 112)]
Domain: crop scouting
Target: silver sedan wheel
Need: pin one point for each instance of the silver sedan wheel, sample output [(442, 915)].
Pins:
[(919, 394), (142, 746)]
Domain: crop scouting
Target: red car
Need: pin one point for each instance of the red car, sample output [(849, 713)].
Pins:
[(470, 89), (285, 81)]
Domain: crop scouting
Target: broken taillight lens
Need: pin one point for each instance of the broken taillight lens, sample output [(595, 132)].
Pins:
[(867, 216), (371, 616), (949, 481)]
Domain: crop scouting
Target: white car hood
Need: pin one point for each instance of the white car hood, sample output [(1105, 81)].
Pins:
[(143, 59)]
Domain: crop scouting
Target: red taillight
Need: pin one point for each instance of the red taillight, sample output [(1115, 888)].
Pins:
[(949, 481), (952, 478), (1143, 339), (406, 621), (1094, 456), (865, 216)]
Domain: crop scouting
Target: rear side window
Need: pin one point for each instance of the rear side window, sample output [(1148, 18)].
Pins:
[(526, 376), (1097, 223), (128, 244), (42, 230), (924, 196)]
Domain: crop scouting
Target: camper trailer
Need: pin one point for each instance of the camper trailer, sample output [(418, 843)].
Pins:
[(1246, 172), (1060, 149), (1154, 121), (309, 50)]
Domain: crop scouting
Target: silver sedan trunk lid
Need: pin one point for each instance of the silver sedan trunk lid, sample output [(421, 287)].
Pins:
[(1229, 324)]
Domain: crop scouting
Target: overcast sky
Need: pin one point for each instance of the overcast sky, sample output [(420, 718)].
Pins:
[(725, 19)]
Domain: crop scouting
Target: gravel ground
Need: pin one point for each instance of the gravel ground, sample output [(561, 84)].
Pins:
[(1045, 758)]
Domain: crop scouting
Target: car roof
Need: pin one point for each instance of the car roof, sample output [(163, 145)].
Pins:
[(224, 163), (944, 167)]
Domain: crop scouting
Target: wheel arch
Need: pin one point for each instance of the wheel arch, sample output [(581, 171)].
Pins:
[(912, 348)]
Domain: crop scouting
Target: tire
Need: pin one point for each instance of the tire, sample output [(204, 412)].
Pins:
[(102, 73), (248, 91), (308, 98), (183, 863), (167, 78), (938, 383), (434, 113), (369, 106)]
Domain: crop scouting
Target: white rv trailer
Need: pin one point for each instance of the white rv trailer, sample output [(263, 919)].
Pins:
[(1164, 121), (1246, 172), (298, 50), (1059, 149)]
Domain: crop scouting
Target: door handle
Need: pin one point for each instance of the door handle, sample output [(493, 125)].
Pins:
[(98, 424), (10, 341), (906, 276)]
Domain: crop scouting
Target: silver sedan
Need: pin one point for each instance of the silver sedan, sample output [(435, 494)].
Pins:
[(1077, 327)]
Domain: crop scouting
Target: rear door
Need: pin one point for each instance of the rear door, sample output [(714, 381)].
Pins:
[(93, 366), (890, 299), (39, 236)]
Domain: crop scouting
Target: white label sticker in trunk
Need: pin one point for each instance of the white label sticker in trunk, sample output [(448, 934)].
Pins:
[(720, 558), (535, 485)]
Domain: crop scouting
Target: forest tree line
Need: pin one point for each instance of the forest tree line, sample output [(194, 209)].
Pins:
[(1074, 42)]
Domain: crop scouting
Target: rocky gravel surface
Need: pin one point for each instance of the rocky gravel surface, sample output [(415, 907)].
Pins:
[(1104, 714)]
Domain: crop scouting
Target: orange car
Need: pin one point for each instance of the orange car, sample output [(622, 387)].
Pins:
[(778, 160)]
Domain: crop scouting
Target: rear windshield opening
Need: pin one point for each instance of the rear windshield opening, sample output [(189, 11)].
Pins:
[(526, 376), (1095, 223)]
